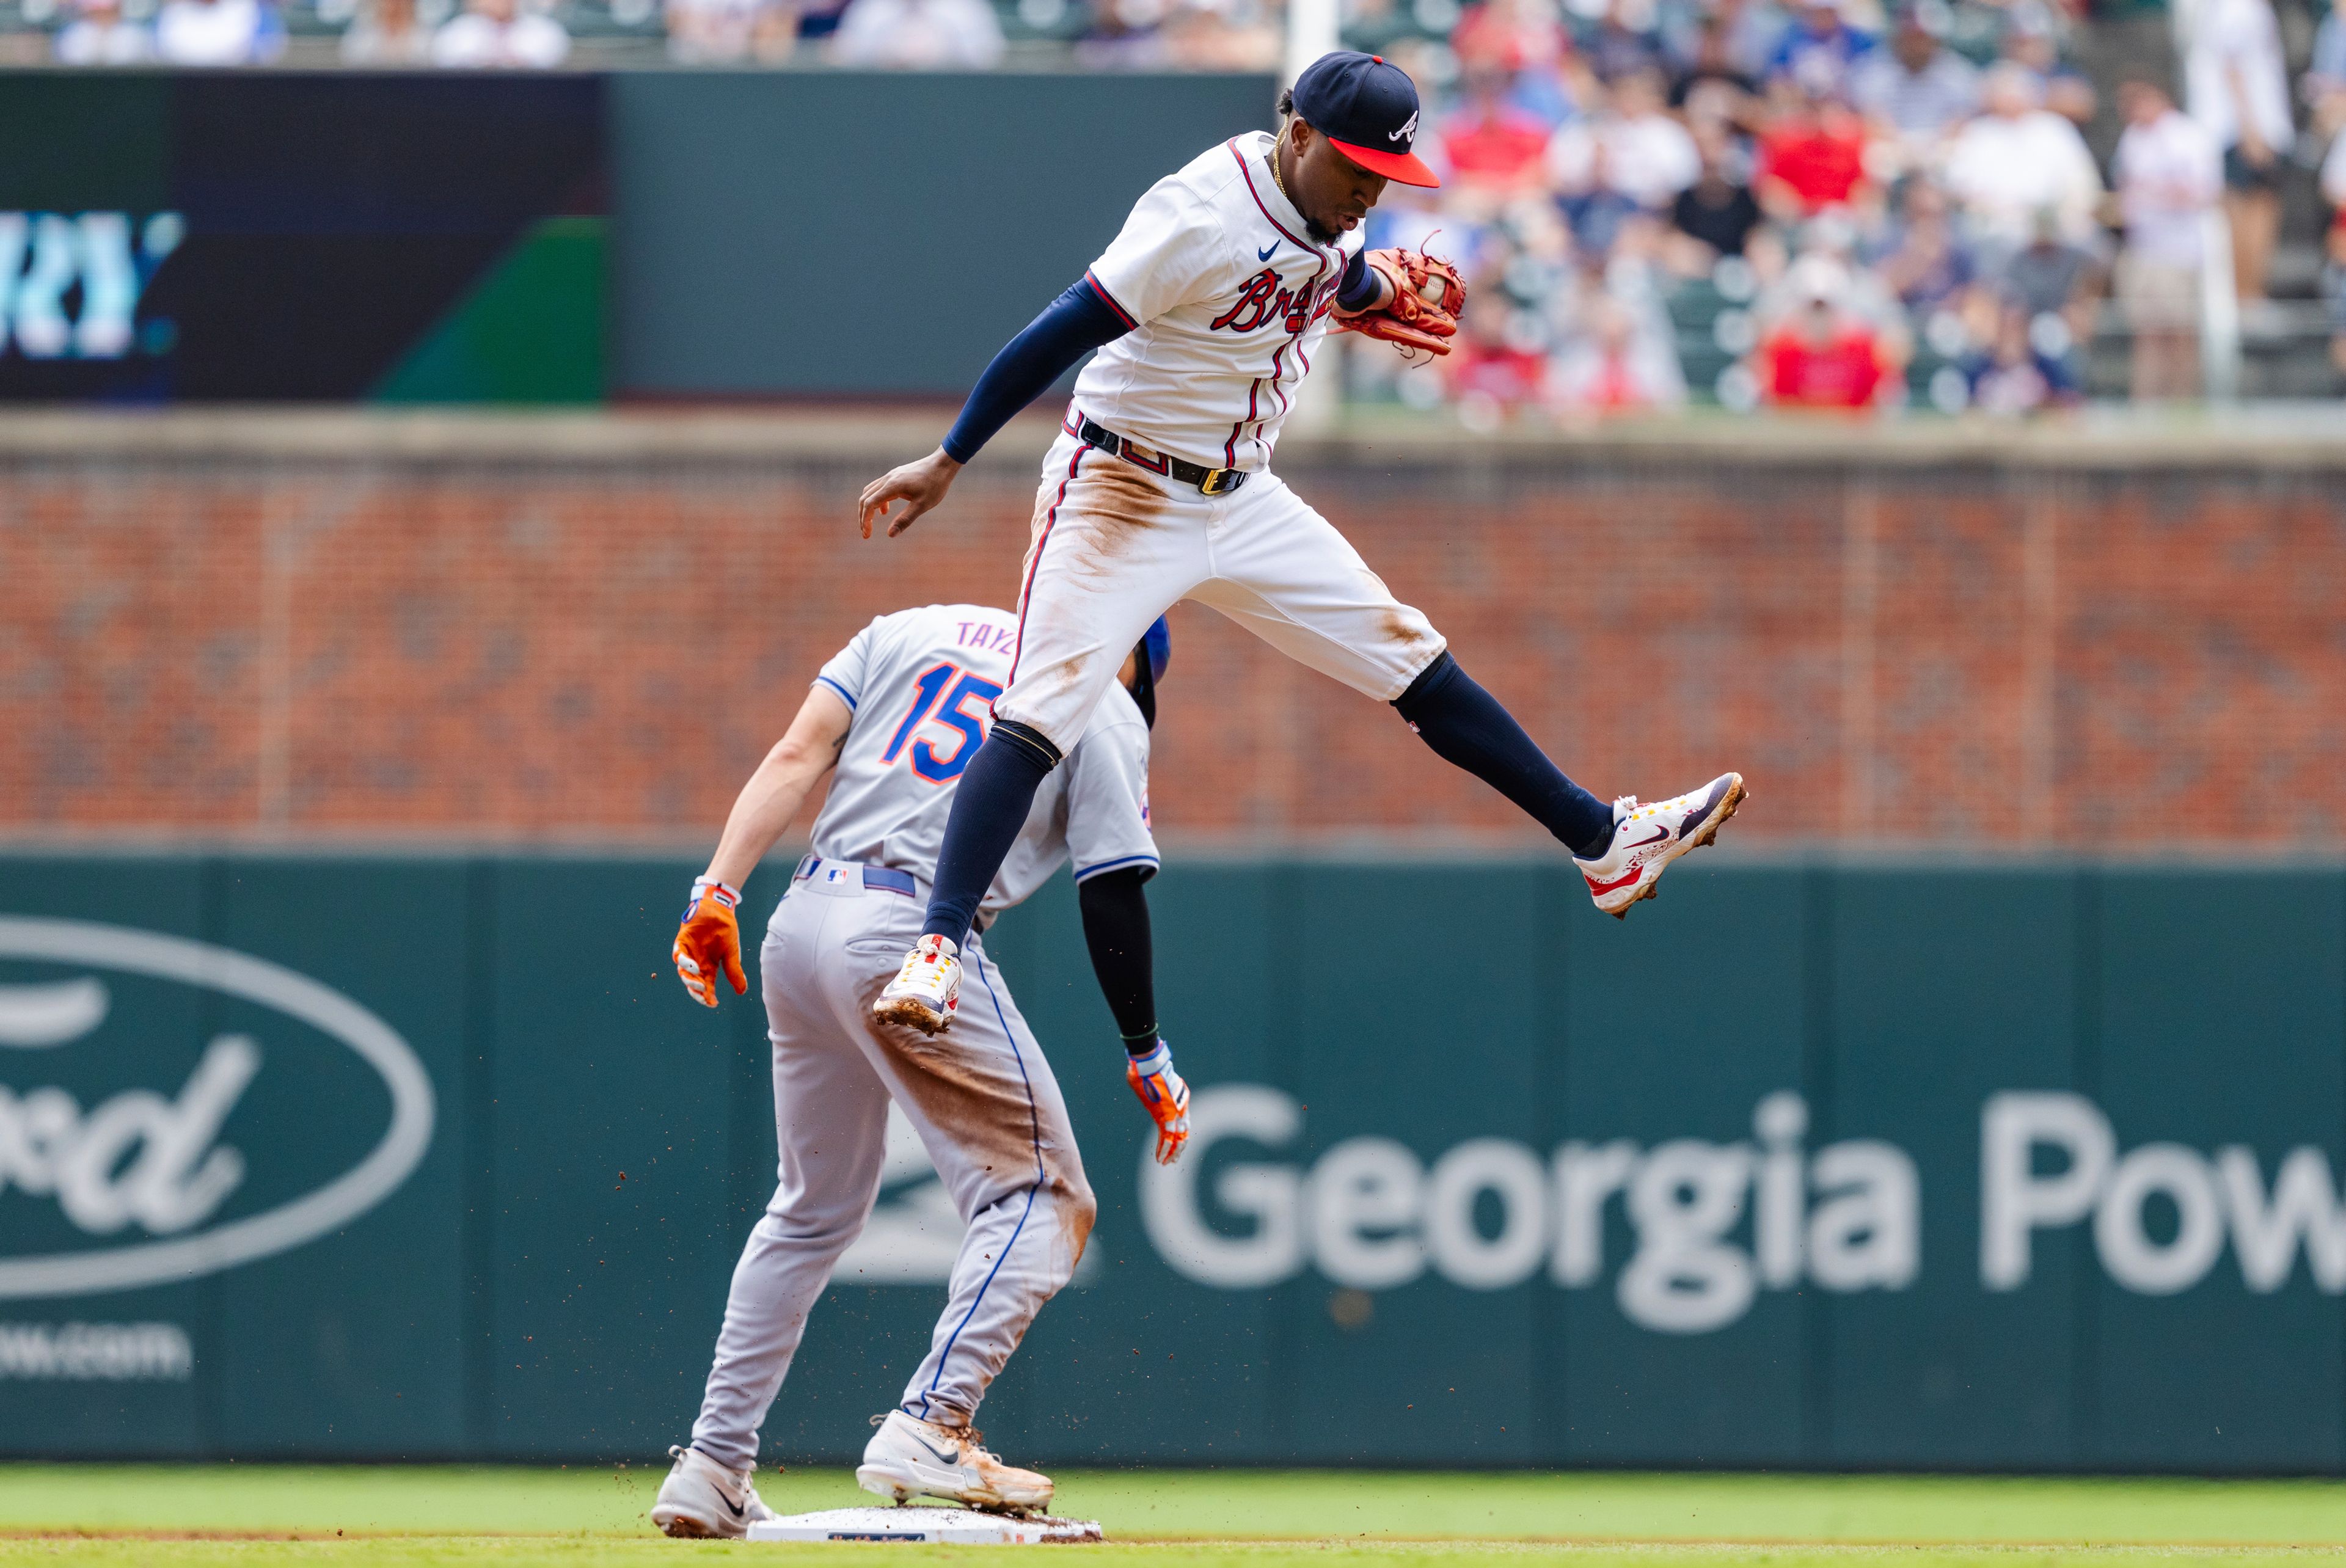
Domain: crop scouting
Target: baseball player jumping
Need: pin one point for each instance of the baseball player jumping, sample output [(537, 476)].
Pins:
[(1206, 311), (900, 713)]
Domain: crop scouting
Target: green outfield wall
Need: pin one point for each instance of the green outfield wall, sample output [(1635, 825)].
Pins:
[(1807, 1164), (818, 234)]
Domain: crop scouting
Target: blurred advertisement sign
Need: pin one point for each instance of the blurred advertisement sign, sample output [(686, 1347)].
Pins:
[(171, 237), (145, 1176), (2201, 1200), (428, 1156), (1714, 1223), (1488, 1214), (70, 284), (96, 1352)]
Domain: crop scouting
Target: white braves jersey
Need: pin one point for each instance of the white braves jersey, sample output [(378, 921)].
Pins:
[(922, 684), (1229, 295)]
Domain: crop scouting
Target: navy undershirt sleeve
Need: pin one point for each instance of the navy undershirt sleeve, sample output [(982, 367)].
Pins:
[(1358, 291), (1076, 324)]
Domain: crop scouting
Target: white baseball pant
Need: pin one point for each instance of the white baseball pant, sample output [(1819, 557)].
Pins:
[(987, 1109), (1115, 546)]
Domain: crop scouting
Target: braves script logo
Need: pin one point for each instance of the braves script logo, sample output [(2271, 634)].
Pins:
[(147, 1159), (1264, 300), (1408, 129)]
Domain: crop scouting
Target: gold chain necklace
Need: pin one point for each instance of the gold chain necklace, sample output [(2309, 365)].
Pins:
[(1276, 178)]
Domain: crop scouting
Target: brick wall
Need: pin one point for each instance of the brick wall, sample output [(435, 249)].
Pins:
[(590, 629)]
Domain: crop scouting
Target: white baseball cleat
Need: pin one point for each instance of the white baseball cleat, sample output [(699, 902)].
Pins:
[(702, 1499), (1647, 838), (926, 990), (908, 1456)]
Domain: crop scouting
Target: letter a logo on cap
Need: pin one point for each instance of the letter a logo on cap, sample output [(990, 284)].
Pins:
[(1354, 100)]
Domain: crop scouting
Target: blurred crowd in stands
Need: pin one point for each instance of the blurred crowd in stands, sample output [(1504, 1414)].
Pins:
[(1656, 201), (874, 34), (1815, 203)]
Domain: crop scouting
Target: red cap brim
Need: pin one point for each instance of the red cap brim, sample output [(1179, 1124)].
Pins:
[(1404, 167)]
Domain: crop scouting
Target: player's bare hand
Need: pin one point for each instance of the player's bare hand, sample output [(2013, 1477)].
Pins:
[(921, 487), (1165, 1096), (708, 941)]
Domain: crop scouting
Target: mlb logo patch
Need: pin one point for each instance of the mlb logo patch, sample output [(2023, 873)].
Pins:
[(835, 873)]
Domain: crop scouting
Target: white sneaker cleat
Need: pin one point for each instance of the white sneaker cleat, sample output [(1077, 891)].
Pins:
[(1647, 838), (701, 1498), (908, 1456), (926, 990)]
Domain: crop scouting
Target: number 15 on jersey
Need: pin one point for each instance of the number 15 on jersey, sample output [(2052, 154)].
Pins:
[(948, 695)]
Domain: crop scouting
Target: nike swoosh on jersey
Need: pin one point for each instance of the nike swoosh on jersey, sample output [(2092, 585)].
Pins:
[(1264, 254)]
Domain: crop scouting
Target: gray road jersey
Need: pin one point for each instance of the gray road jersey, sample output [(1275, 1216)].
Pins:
[(921, 684)]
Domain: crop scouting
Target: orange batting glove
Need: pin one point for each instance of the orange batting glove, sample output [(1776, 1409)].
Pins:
[(1164, 1096), (708, 940)]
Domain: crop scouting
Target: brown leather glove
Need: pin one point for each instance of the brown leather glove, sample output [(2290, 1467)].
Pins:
[(1427, 299)]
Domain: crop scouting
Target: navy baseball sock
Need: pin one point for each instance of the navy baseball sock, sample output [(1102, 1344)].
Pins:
[(990, 806), (1466, 726)]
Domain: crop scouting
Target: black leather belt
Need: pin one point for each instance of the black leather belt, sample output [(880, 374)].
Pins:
[(1210, 480)]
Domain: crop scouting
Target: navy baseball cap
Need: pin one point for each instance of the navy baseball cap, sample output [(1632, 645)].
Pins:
[(1369, 109)]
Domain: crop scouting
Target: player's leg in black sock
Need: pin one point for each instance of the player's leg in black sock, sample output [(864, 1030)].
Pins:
[(1466, 726), (990, 806)]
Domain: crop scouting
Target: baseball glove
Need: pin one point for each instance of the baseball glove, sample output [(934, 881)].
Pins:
[(1427, 299)]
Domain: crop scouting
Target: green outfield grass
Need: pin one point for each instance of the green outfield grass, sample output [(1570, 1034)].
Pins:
[(392, 1517)]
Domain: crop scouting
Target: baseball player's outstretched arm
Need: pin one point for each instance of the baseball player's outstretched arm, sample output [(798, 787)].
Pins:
[(1077, 322), (708, 940), (771, 798)]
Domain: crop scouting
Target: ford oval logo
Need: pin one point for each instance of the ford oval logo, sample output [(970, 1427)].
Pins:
[(193, 1175)]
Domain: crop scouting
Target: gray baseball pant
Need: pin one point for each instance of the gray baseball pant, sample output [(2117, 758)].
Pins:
[(987, 1109)]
